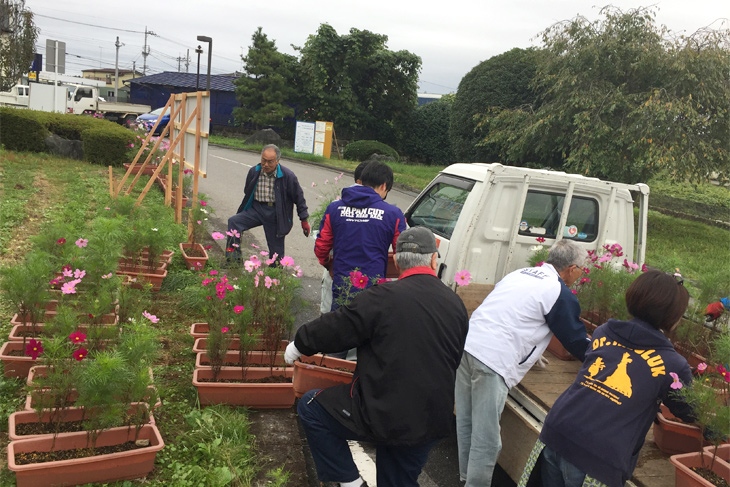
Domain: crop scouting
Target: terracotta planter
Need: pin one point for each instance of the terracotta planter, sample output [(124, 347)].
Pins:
[(723, 451), (685, 477), (67, 415), (17, 332), (308, 374), (201, 345), (674, 437), (262, 396), (693, 359), (194, 263), (101, 468), (255, 357), (155, 278), (149, 169), (15, 366), (557, 349)]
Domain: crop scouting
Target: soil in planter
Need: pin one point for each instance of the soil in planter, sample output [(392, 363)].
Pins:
[(27, 429), (272, 379), (18, 353), (52, 456), (710, 476), (194, 252)]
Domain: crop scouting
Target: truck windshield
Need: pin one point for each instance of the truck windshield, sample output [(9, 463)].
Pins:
[(439, 208), (542, 211)]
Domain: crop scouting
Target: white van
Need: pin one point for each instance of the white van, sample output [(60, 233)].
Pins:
[(488, 217)]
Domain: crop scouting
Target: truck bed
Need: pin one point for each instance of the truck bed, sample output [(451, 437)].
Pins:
[(110, 106), (544, 386)]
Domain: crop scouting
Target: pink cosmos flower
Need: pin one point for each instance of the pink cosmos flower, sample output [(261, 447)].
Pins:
[(605, 258), (256, 280), (69, 287), (574, 291), (237, 309), (701, 367), (264, 253), (644, 268), (217, 236), (358, 279), (77, 337), (187, 171), (299, 271), (33, 348), (676, 384), (539, 264), (82, 242), (107, 276), (225, 329), (79, 274), (151, 317), (254, 246), (268, 282), (583, 280), (326, 181), (213, 273), (287, 261), (80, 354), (61, 241), (540, 239), (463, 278), (199, 222), (314, 184), (233, 233), (203, 203)]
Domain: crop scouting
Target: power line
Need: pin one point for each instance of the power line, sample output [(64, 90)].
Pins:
[(90, 25)]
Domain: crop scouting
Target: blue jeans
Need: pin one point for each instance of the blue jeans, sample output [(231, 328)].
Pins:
[(257, 215), (480, 395), (397, 466), (558, 472)]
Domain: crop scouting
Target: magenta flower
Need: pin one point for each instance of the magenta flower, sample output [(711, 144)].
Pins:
[(676, 384), (213, 273), (381, 280), (151, 317), (584, 280), (77, 337), (237, 309), (644, 268), (358, 279), (540, 239), (225, 329), (80, 354), (203, 203), (61, 241), (287, 261), (187, 171), (82, 242), (217, 236), (463, 278), (574, 291), (33, 348)]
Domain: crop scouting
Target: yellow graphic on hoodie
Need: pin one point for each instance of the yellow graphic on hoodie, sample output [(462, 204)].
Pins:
[(619, 381)]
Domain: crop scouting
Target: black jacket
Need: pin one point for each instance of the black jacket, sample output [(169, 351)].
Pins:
[(599, 423), (288, 193), (409, 336)]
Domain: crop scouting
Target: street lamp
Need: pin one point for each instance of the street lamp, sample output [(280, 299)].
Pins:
[(199, 50), (210, 57)]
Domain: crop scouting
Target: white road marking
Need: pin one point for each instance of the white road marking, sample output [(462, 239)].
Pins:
[(364, 463), (229, 160)]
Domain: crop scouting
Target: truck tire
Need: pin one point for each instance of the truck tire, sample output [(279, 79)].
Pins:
[(129, 120)]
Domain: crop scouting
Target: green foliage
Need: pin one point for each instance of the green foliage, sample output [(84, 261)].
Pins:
[(500, 81), (362, 149), (622, 99), (427, 137), (70, 126), (106, 145), (355, 81), (21, 130), (18, 46), (267, 86), (26, 286)]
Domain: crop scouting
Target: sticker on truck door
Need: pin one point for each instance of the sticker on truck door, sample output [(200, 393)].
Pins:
[(570, 231)]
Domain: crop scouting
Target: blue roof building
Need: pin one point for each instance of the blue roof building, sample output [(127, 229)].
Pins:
[(155, 90)]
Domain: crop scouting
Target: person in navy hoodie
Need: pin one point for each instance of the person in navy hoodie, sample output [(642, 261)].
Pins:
[(359, 229), (593, 433)]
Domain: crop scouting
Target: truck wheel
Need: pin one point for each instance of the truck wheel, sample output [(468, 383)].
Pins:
[(129, 120)]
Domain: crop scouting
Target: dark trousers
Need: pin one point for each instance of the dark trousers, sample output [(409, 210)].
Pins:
[(397, 466), (258, 214)]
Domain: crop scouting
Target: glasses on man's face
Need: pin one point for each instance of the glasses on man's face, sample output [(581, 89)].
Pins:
[(268, 162)]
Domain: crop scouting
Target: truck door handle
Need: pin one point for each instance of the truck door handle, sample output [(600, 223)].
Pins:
[(442, 268)]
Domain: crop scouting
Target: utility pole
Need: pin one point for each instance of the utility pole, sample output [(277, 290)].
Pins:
[(134, 69), (146, 49), (116, 70), (187, 61)]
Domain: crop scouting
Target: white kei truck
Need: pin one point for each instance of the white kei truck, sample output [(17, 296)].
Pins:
[(85, 99), (487, 219)]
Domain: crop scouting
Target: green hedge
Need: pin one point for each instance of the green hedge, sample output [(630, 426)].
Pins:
[(362, 149), (22, 130), (427, 138), (106, 145)]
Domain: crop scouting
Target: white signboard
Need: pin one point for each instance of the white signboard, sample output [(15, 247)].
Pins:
[(304, 137), (189, 156)]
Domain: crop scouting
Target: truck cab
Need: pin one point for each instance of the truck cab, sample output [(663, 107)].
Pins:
[(85, 99), (488, 218), (82, 99), (17, 96)]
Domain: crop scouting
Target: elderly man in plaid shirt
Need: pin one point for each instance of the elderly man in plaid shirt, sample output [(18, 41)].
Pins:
[(270, 194)]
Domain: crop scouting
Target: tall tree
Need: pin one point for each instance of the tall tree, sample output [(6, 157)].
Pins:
[(18, 34), (501, 81), (355, 81), (266, 89), (622, 99)]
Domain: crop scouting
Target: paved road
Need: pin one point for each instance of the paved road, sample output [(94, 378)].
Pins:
[(227, 169)]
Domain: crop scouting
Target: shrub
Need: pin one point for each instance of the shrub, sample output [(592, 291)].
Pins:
[(22, 130), (362, 149), (69, 126), (106, 145), (427, 138)]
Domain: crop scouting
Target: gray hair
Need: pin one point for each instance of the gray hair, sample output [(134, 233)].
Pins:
[(566, 253), (408, 260), (272, 146)]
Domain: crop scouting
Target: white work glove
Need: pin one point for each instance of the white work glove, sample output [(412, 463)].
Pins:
[(291, 353), (542, 362)]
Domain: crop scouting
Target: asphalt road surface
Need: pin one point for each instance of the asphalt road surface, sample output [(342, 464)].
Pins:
[(223, 187)]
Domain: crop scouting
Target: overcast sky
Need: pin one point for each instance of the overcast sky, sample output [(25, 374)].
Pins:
[(450, 38)]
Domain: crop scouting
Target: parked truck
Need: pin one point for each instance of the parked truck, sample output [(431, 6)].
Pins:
[(17, 97), (86, 100), (487, 219)]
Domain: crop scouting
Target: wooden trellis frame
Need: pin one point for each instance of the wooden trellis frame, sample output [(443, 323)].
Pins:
[(177, 127)]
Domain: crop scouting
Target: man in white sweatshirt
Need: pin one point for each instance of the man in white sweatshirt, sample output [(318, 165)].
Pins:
[(508, 332)]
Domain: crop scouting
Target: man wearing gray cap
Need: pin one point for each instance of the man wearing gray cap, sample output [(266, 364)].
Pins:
[(410, 337)]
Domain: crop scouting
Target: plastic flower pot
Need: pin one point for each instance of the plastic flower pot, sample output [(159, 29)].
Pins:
[(686, 477), (194, 263), (253, 357), (110, 467), (674, 437), (318, 372), (148, 170), (201, 345), (138, 279), (18, 332), (254, 395)]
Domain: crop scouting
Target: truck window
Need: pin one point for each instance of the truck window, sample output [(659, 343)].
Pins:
[(542, 211), (83, 93), (439, 208)]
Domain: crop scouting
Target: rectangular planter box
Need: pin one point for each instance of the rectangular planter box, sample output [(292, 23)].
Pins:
[(201, 344), (674, 437), (308, 374), (685, 477), (262, 396), (255, 357), (101, 468), (15, 366)]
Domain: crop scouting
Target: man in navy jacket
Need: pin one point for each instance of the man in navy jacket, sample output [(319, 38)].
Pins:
[(270, 194)]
